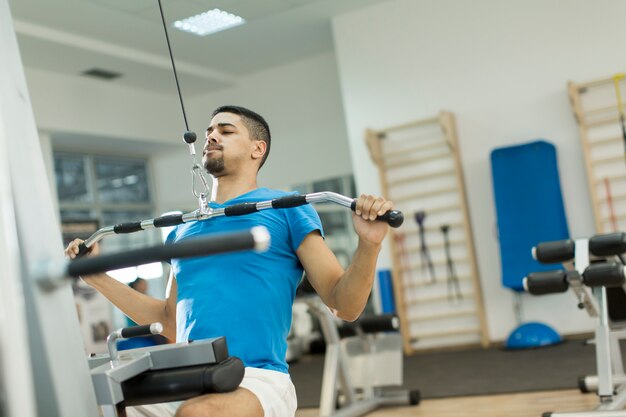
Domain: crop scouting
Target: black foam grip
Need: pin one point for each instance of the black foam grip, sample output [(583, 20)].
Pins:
[(136, 331), (379, 323), (608, 245), (240, 209), (83, 250), (605, 274), (289, 201), (179, 384), (393, 218), (370, 324), (546, 282), (582, 385), (554, 252), (131, 227), (168, 220), (209, 245)]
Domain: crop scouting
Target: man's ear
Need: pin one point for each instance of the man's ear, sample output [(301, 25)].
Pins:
[(260, 147)]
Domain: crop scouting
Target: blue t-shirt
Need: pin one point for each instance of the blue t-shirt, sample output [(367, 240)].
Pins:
[(244, 296)]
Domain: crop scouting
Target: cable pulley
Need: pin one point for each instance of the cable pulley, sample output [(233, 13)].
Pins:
[(189, 137)]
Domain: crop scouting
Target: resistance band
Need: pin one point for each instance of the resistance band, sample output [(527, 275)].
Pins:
[(620, 107), (609, 202), (420, 216)]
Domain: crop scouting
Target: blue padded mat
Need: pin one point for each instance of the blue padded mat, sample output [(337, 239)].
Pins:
[(529, 206)]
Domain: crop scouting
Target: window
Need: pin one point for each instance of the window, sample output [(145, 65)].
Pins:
[(108, 190), (97, 191)]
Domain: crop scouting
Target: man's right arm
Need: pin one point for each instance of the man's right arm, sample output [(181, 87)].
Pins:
[(142, 309)]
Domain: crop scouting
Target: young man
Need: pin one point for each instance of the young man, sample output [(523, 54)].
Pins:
[(247, 297)]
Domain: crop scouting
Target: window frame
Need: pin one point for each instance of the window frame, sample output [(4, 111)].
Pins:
[(96, 207)]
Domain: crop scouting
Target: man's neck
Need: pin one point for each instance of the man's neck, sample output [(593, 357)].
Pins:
[(229, 188)]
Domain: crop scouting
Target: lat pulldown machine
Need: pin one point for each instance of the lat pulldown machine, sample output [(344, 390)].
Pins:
[(42, 368)]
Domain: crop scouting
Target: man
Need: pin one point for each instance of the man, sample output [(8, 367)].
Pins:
[(247, 297)]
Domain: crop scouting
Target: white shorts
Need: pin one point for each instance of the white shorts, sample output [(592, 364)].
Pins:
[(274, 390)]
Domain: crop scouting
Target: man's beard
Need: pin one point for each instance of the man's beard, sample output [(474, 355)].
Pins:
[(214, 165)]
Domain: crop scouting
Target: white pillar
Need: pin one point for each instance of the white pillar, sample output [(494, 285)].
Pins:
[(60, 376)]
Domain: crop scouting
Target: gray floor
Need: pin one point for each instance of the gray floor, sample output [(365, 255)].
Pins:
[(472, 372)]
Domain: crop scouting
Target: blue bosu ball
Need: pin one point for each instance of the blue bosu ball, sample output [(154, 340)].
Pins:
[(532, 335)]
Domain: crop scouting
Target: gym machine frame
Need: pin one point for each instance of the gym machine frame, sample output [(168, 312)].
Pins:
[(590, 270), (337, 378)]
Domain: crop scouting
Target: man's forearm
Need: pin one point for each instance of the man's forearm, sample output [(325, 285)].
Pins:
[(353, 288), (142, 309)]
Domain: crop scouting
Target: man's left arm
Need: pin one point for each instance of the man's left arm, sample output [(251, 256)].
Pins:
[(347, 291)]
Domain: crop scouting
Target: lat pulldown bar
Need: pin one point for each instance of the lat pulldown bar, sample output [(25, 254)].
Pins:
[(393, 217)]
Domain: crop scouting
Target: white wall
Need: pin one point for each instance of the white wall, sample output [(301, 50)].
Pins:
[(502, 68), (301, 102), (77, 104), (46, 150)]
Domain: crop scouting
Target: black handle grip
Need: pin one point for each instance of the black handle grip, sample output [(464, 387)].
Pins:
[(209, 245), (546, 282), (370, 324), (393, 218), (83, 250), (608, 245), (137, 331), (554, 252), (605, 274), (289, 201), (168, 220), (130, 227), (240, 209), (379, 323)]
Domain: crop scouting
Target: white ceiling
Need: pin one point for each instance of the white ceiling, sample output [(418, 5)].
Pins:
[(126, 36)]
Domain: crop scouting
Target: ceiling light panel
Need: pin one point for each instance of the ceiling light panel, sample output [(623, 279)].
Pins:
[(209, 22)]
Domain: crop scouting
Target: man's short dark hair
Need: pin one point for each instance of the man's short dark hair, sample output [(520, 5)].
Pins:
[(254, 122)]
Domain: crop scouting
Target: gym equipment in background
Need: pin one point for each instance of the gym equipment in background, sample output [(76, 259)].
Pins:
[(529, 209), (597, 281), (363, 362), (420, 170), (425, 261)]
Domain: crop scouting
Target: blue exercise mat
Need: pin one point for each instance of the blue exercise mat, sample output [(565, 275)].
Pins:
[(529, 206)]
